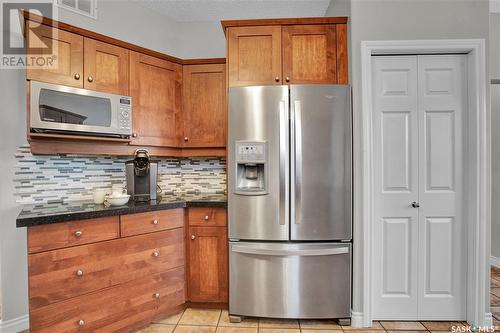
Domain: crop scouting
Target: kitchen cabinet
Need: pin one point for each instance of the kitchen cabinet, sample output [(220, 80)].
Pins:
[(109, 283), (254, 55), (66, 49), (208, 255), (204, 105), (105, 67), (287, 51), (208, 264), (309, 54), (79, 61), (156, 91)]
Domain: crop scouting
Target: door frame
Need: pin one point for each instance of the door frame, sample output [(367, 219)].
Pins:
[(476, 172)]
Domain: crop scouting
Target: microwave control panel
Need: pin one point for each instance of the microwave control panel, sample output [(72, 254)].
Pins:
[(125, 115)]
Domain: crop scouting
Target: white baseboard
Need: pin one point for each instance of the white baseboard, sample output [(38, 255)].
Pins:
[(357, 319), (495, 262), (14, 325)]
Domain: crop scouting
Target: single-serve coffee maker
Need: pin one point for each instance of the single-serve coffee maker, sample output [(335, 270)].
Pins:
[(142, 176), (251, 168)]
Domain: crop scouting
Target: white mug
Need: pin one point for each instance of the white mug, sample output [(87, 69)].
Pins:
[(99, 195)]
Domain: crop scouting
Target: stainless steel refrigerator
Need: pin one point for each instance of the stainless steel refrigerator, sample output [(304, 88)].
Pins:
[(290, 201)]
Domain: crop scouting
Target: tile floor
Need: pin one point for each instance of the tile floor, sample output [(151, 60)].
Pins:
[(217, 321)]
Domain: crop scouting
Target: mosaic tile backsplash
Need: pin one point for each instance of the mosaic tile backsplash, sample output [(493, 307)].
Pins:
[(50, 178)]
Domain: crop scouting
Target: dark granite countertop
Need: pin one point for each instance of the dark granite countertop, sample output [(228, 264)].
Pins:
[(48, 213)]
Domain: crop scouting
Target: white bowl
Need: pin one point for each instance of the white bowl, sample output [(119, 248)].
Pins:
[(117, 201)]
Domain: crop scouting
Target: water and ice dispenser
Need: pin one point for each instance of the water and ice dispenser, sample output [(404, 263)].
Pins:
[(251, 167)]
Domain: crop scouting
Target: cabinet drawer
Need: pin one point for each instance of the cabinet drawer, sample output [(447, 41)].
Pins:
[(115, 309), (142, 223), (207, 216), (61, 274), (60, 235)]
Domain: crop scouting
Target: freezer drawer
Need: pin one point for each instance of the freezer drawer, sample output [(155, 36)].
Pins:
[(285, 280)]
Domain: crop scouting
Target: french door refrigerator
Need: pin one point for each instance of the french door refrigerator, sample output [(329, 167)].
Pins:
[(290, 201)]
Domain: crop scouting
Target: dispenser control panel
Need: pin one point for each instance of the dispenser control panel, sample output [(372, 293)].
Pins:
[(251, 151)]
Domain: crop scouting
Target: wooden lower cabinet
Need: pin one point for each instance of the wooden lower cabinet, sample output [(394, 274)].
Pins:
[(208, 264), (116, 309), (132, 274), (61, 274)]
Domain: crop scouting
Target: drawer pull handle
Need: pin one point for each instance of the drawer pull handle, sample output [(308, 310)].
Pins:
[(79, 272), (155, 222), (78, 233), (206, 217), (81, 322), (156, 253), (156, 295), (193, 237)]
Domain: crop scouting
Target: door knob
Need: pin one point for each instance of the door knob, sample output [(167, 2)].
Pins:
[(415, 204), (90, 79), (77, 76)]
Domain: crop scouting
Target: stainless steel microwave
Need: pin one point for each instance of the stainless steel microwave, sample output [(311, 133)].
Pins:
[(61, 109)]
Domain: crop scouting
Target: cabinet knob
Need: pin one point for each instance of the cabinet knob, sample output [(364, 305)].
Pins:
[(415, 204), (79, 272), (287, 79), (156, 295), (134, 135), (77, 76), (90, 79), (186, 138), (81, 322), (206, 217), (156, 253), (155, 222), (193, 236), (78, 233), (277, 79)]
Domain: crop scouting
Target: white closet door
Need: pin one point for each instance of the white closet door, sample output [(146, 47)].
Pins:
[(442, 268), (396, 186), (420, 250)]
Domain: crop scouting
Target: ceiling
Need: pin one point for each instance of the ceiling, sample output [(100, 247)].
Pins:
[(216, 10)]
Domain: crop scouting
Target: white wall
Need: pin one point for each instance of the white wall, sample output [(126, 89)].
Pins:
[(397, 19)]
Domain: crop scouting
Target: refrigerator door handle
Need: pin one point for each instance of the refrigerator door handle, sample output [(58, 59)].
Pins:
[(297, 162), (283, 165), (300, 253)]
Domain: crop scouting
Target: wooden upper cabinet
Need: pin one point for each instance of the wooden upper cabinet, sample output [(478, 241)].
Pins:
[(287, 51), (67, 47), (106, 67), (204, 105), (208, 264), (309, 54), (254, 55), (156, 91)]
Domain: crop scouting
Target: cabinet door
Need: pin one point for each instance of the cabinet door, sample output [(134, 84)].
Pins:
[(204, 107), (254, 55), (106, 67), (67, 49), (156, 90), (309, 54), (208, 267)]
